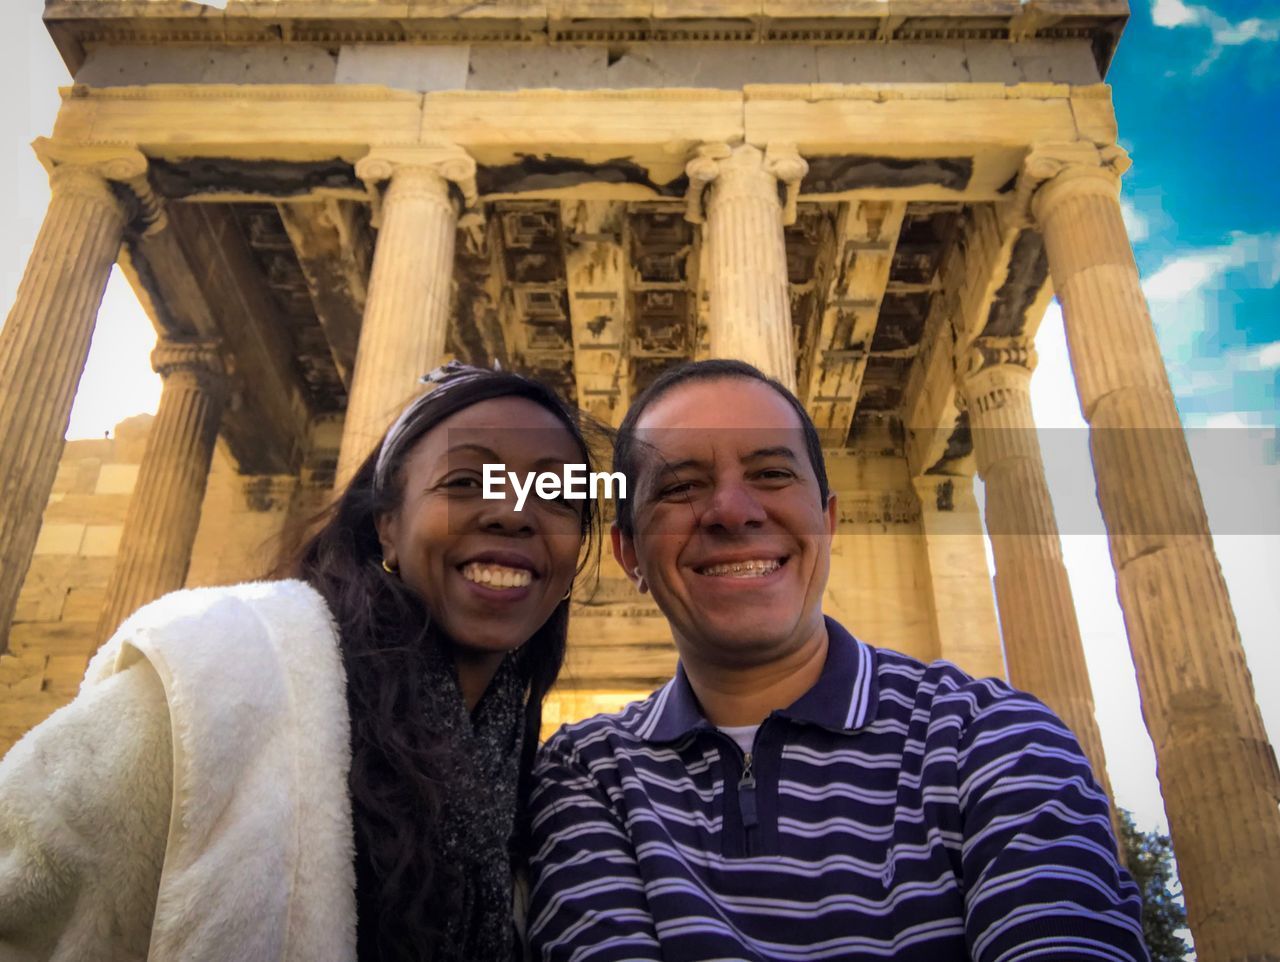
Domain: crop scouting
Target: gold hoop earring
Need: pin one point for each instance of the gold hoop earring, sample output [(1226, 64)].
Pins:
[(388, 569), (567, 594)]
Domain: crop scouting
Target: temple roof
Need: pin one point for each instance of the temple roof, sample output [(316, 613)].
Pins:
[(78, 23)]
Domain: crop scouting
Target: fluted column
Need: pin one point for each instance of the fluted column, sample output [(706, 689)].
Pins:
[(43, 347), (735, 192), (1042, 644), (164, 510), (1218, 773), (406, 317)]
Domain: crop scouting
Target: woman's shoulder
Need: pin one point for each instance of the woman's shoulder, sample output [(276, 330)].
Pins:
[(231, 620)]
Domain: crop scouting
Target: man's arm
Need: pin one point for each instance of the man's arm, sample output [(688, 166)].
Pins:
[(1042, 879), (588, 900)]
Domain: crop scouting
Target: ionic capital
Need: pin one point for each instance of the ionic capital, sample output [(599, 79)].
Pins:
[(993, 366), (1053, 171), (199, 359), (719, 161), (90, 170), (428, 164)]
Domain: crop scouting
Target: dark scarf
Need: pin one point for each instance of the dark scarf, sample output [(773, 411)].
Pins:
[(479, 804)]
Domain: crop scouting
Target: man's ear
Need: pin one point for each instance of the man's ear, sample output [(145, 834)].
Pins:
[(386, 526), (833, 515), (624, 552)]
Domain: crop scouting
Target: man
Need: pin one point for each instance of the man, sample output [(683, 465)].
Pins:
[(794, 793)]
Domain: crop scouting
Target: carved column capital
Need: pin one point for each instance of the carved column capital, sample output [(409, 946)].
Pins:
[(1054, 170), (990, 370), (92, 169), (719, 161), (424, 164), (200, 360), (985, 353)]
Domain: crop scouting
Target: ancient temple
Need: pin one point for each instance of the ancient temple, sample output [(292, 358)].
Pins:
[(317, 202)]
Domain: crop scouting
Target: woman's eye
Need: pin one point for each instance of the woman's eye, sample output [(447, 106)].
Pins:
[(462, 482)]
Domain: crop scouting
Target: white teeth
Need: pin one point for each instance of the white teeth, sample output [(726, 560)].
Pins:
[(496, 576), (743, 569)]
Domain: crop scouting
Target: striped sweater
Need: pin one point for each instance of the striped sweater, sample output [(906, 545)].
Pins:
[(897, 810)]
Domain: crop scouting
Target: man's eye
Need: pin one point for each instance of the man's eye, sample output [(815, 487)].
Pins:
[(677, 490), (776, 474)]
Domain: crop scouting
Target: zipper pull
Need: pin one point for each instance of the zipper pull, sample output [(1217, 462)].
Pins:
[(747, 794)]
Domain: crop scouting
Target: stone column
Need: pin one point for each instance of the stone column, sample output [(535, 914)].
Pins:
[(955, 575), (43, 347), (164, 510), (1218, 772), (735, 192), (406, 317), (1042, 643)]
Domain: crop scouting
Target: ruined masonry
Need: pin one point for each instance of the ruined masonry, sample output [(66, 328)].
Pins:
[(317, 202)]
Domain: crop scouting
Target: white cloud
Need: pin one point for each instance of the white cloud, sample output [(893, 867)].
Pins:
[(1174, 13), (1135, 222), (1188, 274), (1268, 356)]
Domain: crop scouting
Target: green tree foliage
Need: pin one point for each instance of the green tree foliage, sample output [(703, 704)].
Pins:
[(1150, 858)]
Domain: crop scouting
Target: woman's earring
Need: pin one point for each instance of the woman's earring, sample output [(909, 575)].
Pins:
[(640, 585), (567, 594), (388, 569)]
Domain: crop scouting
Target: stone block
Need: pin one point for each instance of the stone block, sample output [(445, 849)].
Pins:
[(128, 65), (22, 673), (419, 67), (61, 638), (117, 479), (88, 509), (40, 600), (83, 604), (101, 540), (63, 674), (59, 539)]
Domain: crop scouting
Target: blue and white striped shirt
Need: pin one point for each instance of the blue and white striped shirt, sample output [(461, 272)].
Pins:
[(897, 810)]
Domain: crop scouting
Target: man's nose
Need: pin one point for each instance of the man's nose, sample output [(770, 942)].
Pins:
[(733, 506)]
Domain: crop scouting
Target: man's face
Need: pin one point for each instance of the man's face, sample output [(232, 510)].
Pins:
[(731, 534)]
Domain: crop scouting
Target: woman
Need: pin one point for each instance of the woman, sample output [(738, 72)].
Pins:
[(239, 759)]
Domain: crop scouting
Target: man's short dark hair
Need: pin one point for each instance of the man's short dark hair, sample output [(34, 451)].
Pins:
[(716, 369)]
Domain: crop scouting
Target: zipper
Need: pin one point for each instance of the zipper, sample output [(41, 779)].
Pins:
[(747, 803)]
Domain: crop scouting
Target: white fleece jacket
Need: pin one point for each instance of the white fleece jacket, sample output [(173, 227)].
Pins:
[(191, 804)]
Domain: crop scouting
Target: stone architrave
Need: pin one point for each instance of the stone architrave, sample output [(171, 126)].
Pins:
[(734, 192), (45, 341), (406, 317), (1218, 772), (164, 509), (1042, 643)]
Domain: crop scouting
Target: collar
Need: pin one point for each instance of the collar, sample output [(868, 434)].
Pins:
[(843, 698)]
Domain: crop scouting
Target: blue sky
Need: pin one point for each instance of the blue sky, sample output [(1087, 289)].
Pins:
[(1195, 95)]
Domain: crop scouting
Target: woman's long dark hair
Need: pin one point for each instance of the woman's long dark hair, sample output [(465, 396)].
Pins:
[(398, 766)]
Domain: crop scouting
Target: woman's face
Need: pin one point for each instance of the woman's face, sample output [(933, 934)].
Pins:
[(490, 575)]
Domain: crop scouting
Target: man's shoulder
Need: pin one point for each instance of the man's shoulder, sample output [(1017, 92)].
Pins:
[(942, 685), (605, 731)]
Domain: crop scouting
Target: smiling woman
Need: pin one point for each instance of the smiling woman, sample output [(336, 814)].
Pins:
[(342, 757)]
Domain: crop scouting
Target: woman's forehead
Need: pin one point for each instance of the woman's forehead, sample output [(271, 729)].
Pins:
[(503, 424)]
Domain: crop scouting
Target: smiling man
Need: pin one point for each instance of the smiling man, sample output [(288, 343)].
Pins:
[(793, 793)]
